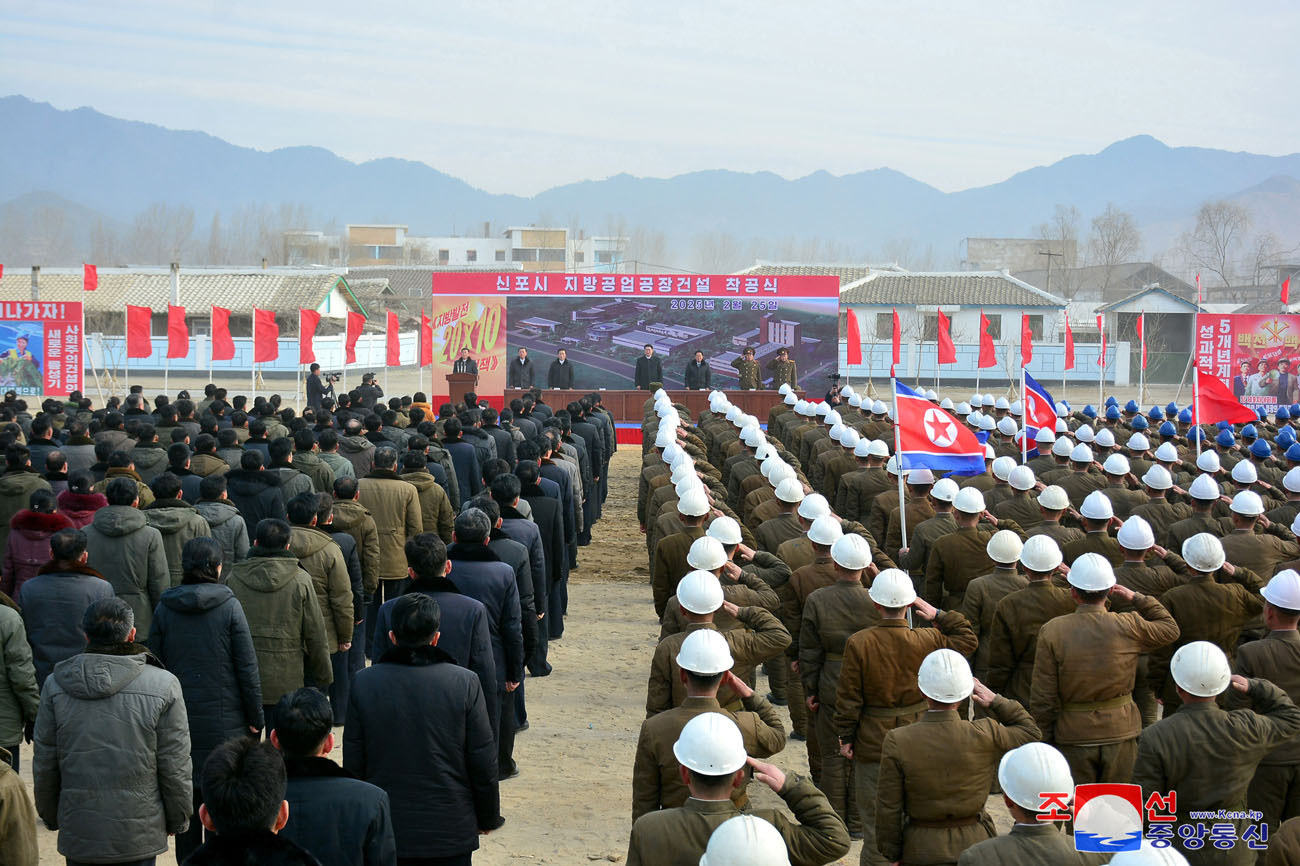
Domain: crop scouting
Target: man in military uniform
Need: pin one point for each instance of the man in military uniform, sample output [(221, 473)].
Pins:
[(784, 371), (1020, 506), (1096, 515), (1117, 473), (669, 561), (923, 535), (857, 488), (919, 508), (1080, 482), (1083, 708), (960, 556), (806, 579), (789, 496), (1261, 552), (1204, 493), (1158, 510), (984, 592), (746, 370)]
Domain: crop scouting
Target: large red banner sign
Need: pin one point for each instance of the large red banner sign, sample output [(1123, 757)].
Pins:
[(1255, 356), (681, 285), (40, 347)]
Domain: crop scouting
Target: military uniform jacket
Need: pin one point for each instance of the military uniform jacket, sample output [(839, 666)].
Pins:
[(958, 558), (1161, 513), (1026, 845), (656, 784), (1021, 508), (841, 465), (1152, 577), (882, 505), (805, 580), (981, 602), (1261, 553), (859, 488), (763, 638), (1275, 658), (1216, 772), (1284, 845), (772, 532), (669, 564), (1013, 635), (919, 510), (1077, 485), (1194, 525), (674, 837), (1206, 610), (747, 372), (783, 373), (830, 616), (922, 539), (1054, 530), (1094, 542), (1123, 500), (916, 787), (1074, 699), (877, 689)]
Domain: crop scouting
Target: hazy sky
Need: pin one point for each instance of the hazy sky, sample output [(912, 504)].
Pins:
[(520, 96)]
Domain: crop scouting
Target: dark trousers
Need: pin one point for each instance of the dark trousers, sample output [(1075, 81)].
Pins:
[(387, 590), (505, 734), (192, 838), (148, 861), (557, 601), (341, 687), (268, 713), (521, 711), (465, 859)]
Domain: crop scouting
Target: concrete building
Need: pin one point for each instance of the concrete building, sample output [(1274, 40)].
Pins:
[(1016, 254), (526, 248)]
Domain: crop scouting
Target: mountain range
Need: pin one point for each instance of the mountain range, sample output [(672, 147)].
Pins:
[(116, 168)]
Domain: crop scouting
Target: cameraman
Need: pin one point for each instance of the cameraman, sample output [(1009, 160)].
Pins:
[(318, 388)]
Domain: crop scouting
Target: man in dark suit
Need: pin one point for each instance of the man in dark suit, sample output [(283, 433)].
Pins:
[(560, 374), (648, 369), (1288, 389), (521, 372), (698, 376), (1239, 382), (466, 364)]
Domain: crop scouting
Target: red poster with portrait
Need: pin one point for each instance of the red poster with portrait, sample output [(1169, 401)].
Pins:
[(1255, 356), (40, 348)]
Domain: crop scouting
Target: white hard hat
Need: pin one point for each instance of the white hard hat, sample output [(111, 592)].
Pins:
[(1021, 478), (1091, 572), (891, 465), (863, 448), (1040, 553), (699, 592), (790, 490), (973, 419), (944, 490), (1200, 668), (790, 399), (976, 399), (803, 407), (1167, 453), (1054, 498), (711, 744), (1104, 439), (666, 435), (1138, 442), (779, 472), (825, 530), (836, 431), (822, 408), (1062, 447), (1028, 772), (851, 551), (855, 400), (1158, 478), (733, 412), (686, 485), (1061, 426), (659, 393), (1135, 534), (672, 452), (1208, 462), (784, 389), (845, 392), (683, 470), (1149, 855), (1044, 436), (1097, 506), (879, 448), (1244, 473), (705, 652), (745, 840), (849, 438), (989, 453), (1084, 434), (1247, 503), (987, 423), (1081, 454), (892, 588), (1002, 467), (946, 403), (764, 451), (1004, 547), (877, 408), (1204, 552), (814, 505), (1061, 409), (1116, 464), (725, 529), (752, 436), (945, 677), (1001, 403), (987, 400), (833, 418), (693, 503), (1204, 487), (1283, 590), (706, 553), (1007, 427), (1291, 481), (1016, 408), (920, 476), (1295, 525), (969, 501), (931, 395), (962, 408)]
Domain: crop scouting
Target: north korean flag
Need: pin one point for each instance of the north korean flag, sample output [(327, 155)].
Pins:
[(930, 437), (1040, 408)]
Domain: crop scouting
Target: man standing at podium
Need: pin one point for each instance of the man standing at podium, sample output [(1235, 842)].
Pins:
[(648, 369), (521, 371), (560, 374), (698, 376), (466, 364)]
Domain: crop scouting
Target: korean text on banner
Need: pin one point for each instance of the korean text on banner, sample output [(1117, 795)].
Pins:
[(40, 348), (1254, 356), (474, 323)]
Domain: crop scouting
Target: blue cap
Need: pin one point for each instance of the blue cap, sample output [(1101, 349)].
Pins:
[(1293, 452), (1262, 413), (1131, 406), (1260, 449), (1112, 413), (1185, 416), (1196, 434), (1248, 432), (1283, 413), (1225, 438), (1286, 438), (1295, 409), (1089, 411), (1223, 425), (1168, 429), (1111, 401), (1155, 414), (1171, 408), (1140, 423)]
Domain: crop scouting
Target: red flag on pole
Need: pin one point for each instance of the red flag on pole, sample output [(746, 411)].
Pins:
[(988, 352), (1026, 341), (1286, 292), (1198, 290), (223, 347), (90, 279), (947, 351), (394, 341), (1101, 331), (426, 340), (307, 322), (2, 272), (1215, 401), (266, 336), (1142, 336), (139, 332), (898, 342), (178, 334), (1069, 344), (853, 338), (356, 322)]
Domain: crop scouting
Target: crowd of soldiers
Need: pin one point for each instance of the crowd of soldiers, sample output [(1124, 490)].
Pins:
[(1114, 600)]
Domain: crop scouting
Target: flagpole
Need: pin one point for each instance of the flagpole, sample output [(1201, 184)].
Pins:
[(212, 333), (1101, 362), (1196, 405), (1024, 419), (1142, 373), (898, 456), (126, 351)]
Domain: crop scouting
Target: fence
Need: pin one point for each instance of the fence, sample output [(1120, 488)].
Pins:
[(917, 361), (372, 352)]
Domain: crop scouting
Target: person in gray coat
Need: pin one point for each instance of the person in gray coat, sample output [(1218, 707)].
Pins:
[(18, 695), (55, 600), (129, 552), (225, 521), (112, 747)]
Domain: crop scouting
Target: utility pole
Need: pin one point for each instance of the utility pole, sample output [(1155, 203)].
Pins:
[(1050, 255)]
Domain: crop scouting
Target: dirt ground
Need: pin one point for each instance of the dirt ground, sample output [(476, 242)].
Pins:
[(571, 802)]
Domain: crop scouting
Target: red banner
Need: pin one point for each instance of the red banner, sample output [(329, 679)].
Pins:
[(1101, 334), (223, 346), (947, 351), (139, 332), (897, 344), (393, 342), (1026, 340), (89, 278), (266, 336), (426, 340), (1254, 356), (477, 324), (1069, 344), (356, 322), (853, 337), (178, 333), (307, 322), (679, 285), (40, 347), (1142, 336), (988, 352)]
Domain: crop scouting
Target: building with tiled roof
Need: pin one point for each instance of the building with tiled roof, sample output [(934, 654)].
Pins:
[(848, 274)]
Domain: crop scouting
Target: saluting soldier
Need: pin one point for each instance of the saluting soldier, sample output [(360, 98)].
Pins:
[(784, 370), (1052, 505), (747, 370), (984, 592), (960, 556)]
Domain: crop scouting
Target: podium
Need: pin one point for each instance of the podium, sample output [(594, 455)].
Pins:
[(460, 384)]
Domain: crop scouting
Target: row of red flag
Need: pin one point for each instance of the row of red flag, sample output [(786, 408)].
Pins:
[(266, 335)]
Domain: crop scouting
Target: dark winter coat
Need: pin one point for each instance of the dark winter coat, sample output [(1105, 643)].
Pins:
[(200, 634), (520, 374), (469, 473), (129, 552), (343, 820), (150, 460), (348, 547), (560, 375), (418, 728), (320, 473), (16, 490), (19, 694), (80, 508), (524, 531), (53, 604), (550, 531), (504, 441), (228, 527), (178, 522), (360, 452), (28, 547), (478, 573), (262, 848), (515, 555), (256, 494), (648, 370)]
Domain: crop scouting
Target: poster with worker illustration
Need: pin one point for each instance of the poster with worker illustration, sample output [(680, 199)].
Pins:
[(1255, 356), (40, 348), (469, 333)]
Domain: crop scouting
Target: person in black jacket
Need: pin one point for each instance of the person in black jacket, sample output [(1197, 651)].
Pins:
[(648, 368), (550, 526), (55, 600), (698, 376), (416, 708), (254, 491), (344, 820), (200, 634), (504, 441), (368, 393), (520, 372), (244, 807), (317, 389), (560, 373), (345, 664)]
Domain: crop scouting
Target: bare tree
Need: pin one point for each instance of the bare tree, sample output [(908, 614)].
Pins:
[(717, 253), (1114, 240), (216, 246), (161, 234), (1062, 228), (103, 243), (1215, 244)]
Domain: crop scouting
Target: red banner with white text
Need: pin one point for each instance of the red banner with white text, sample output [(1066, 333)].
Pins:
[(474, 323), (1254, 356), (41, 348)]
